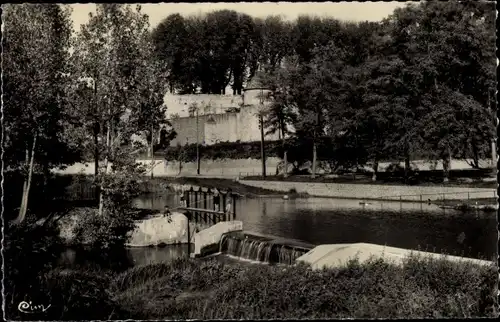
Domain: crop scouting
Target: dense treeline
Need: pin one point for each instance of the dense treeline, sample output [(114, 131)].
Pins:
[(420, 82), (208, 53)]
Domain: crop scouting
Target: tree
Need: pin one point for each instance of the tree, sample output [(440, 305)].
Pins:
[(312, 104), (276, 42), (35, 79), (111, 52), (446, 51), (280, 114), (151, 85)]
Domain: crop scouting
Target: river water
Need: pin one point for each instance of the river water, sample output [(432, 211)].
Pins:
[(330, 221)]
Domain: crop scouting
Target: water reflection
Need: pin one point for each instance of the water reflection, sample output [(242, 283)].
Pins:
[(329, 221), (129, 257)]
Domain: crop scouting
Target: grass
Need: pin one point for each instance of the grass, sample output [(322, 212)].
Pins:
[(209, 289), (223, 184), (469, 202)]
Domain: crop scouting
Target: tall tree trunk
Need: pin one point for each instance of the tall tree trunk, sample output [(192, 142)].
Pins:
[(475, 155), (494, 153), (285, 152), (152, 151), (407, 162), (407, 167), (96, 149), (446, 169), (262, 150), (27, 185), (108, 141), (375, 169), (313, 175), (447, 165)]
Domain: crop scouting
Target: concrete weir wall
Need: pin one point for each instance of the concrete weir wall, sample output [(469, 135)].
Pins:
[(213, 235), (367, 191), (336, 255)]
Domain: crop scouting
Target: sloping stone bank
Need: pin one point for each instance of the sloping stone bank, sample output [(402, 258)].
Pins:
[(367, 191)]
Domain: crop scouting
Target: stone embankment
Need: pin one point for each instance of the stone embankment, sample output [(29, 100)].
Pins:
[(372, 192)]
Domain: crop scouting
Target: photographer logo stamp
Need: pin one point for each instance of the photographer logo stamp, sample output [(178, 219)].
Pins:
[(29, 307)]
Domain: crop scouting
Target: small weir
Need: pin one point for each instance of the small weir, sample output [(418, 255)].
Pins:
[(266, 249)]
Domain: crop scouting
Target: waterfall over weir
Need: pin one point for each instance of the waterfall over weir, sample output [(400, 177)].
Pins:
[(260, 248)]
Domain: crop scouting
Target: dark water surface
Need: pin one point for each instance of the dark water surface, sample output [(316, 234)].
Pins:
[(330, 221)]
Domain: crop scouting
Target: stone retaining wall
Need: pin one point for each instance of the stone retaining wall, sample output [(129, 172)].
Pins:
[(366, 191)]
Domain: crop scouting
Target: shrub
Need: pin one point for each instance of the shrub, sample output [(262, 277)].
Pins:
[(106, 232), (30, 250), (187, 289), (74, 294)]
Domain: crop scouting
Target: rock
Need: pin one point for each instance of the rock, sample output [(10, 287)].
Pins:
[(157, 230)]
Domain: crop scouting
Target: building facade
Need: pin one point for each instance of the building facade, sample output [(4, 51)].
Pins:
[(221, 118)]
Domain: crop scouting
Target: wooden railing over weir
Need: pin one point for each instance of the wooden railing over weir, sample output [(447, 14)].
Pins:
[(200, 207)]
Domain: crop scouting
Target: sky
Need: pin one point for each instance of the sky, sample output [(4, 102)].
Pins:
[(352, 11)]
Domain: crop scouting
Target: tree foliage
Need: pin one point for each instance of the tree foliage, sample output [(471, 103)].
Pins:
[(35, 83)]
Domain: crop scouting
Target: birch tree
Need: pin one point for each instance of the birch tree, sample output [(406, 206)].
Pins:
[(35, 77)]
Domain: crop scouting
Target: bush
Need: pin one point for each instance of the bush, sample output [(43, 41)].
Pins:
[(209, 289), (106, 232), (30, 250), (222, 150), (422, 287), (77, 294)]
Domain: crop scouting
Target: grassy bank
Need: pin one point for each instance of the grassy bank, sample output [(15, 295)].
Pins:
[(468, 202), (223, 184), (207, 289)]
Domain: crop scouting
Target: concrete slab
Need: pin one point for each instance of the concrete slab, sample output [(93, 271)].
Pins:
[(337, 255), (213, 234)]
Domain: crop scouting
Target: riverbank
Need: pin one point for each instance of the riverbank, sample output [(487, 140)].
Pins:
[(375, 192), (208, 289), (386, 180), (223, 184)]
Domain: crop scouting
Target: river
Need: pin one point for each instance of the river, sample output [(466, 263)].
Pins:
[(330, 221)]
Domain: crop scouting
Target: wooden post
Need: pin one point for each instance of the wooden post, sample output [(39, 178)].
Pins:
[(196, 205), (205, 206), (234, 206), (188, 234), (223, 205), (186, 197), (197, 145)]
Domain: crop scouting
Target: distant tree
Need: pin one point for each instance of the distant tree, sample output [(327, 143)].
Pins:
[(276, 42)]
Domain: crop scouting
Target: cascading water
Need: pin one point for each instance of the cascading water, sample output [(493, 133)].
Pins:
[(261, 249)]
